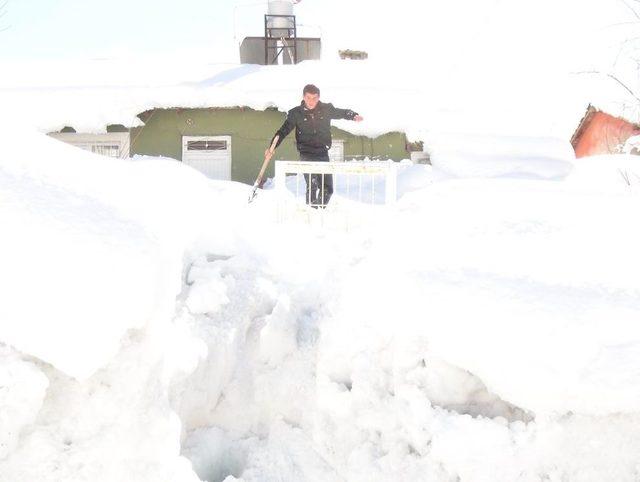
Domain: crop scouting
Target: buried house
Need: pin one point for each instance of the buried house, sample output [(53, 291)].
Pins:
[(216, 118), (601, 133), (229, 143), (224, 143)]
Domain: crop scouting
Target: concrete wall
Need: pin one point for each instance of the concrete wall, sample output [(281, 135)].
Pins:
[(252, 50), (251, 132)]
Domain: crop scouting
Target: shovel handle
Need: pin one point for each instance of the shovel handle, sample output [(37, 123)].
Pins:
[(266, 160), (263, 169)]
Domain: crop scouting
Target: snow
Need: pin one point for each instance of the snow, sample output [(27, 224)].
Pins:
[(80, 227), (469, 155), (610, 174), (155, 327), (21, 397), (90, 95), (528, 256)]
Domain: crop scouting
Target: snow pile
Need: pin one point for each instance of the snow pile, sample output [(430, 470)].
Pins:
[(476, 336), (481, 330), (469, 155), (95, 94), (21, 397), (528, 261), (93, 255), (611, 174), (80, 226)]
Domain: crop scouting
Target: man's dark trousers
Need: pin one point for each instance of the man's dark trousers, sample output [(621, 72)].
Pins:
[(319, 186)]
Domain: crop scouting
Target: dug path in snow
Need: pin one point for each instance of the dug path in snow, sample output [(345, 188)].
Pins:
[(352, 357)]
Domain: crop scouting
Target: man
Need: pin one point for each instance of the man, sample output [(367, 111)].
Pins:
[(312, 122)]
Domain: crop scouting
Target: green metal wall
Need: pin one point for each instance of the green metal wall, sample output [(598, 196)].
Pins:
[(250, 132)]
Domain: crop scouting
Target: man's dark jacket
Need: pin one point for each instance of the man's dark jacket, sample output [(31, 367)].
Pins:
[(313, 127)]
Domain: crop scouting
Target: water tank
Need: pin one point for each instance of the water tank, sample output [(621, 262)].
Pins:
[(280, 7)]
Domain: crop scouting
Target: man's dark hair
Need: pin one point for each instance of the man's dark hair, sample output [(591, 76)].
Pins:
[(310, 89)]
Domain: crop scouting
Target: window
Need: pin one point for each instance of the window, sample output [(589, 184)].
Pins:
[(112, 144), (208, 145), (111, 150)]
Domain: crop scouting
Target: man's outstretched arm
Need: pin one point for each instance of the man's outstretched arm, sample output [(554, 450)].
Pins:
[(348, 114)]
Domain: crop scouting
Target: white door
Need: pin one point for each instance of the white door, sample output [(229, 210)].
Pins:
[(211, 155), (336, 153)]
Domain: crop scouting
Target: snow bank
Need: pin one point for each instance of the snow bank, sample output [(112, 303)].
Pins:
[(483, 329), (475, 336), (22, 393), (91, 95), (609, 173), (93, 247), (548, 312), (93, 254), (472, 155)]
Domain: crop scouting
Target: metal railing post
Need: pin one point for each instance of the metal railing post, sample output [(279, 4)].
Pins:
[(280, 180), (391, 188)]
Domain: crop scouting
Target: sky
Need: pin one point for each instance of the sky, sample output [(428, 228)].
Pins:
[(94, 29), (479, 45), (87, 29), (411, 30)]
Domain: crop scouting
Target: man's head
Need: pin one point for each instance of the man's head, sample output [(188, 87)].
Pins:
[(310, 96)]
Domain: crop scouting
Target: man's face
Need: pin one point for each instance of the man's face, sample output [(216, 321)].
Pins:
[(311, 100)]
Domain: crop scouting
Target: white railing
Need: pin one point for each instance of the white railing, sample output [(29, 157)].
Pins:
[(356, 185)]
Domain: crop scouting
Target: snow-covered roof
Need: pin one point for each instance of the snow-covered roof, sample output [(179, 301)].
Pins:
[(90, 95)]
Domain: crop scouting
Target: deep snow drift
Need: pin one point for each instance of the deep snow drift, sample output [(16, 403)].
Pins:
[(90, 95), (157, 328)]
